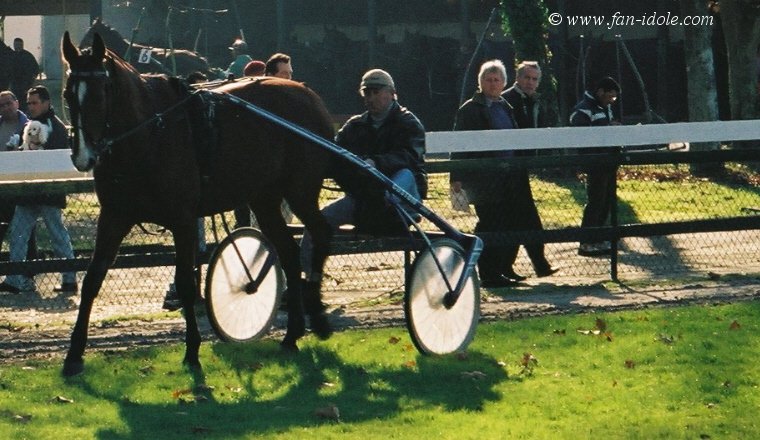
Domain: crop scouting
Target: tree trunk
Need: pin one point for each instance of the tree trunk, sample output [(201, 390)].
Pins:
[(525, 21), (700, 76), (741, 26)]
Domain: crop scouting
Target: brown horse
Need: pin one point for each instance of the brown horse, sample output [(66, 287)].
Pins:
[(136, 133), (161, 59)]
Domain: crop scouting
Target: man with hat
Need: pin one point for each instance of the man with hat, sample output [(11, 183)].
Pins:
[(239, 50), (388, 137)]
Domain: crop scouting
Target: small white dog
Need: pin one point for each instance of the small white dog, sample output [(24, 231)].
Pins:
[(35, 136)]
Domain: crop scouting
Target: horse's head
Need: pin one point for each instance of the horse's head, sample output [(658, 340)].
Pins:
[(87, 96)]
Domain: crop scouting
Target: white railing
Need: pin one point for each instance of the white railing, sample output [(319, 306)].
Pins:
[(582, 137), (56, 164)]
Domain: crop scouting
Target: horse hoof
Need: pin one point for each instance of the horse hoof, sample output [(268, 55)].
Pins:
[(194, 364), (321, 326), (288, 347), (73, 368)]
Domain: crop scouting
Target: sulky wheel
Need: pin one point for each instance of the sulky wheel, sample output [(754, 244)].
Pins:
[(434, 328), (239, 311)]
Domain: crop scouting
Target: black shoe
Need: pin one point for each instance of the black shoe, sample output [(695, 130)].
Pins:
[(5, 287), (66, 288), (514, 276), (500, 281), (546, 271)]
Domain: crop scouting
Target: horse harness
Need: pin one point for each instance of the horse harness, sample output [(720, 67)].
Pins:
[(198, 106)]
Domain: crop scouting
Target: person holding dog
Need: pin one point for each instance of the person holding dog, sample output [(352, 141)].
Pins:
[(46, 206), (12, 122)]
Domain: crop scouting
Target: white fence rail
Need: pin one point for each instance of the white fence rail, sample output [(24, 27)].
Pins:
[(56, 164)]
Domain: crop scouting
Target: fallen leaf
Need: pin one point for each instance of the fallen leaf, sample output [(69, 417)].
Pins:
[(528, 359), (326, 385), (477, 375), (61, 399), (409, 347), (330, 412), (608, 335), (410, 364), (200, 429), (630, 364), (589, 332), (667, 339), (393, 340), (204, 388), (177, 393), (734, 326), (234, 389), (600, 325), (22, 418)]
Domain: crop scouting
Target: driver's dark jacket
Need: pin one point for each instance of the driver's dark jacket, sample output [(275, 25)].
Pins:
[(397, 144)]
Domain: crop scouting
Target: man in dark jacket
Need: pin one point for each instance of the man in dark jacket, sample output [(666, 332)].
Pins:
[(47, 206), (25, 70), (528, 113), (492, 190), (595, 110), (388, 137)]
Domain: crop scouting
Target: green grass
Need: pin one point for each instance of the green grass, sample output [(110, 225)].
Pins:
[(687, 372)]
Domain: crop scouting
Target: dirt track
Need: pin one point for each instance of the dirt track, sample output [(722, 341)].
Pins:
[(30, 333)]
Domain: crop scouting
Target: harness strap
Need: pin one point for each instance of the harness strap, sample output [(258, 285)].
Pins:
[(106, 143)]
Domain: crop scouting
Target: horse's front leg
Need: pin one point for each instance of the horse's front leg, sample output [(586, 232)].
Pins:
[(111, 231), (186, 244)]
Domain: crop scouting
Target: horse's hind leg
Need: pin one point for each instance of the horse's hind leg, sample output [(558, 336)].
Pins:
[(110, 233), (320, 232), (186, 243), (274, 228)]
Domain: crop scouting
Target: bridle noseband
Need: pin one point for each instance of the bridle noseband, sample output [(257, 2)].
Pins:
[(104, 144)]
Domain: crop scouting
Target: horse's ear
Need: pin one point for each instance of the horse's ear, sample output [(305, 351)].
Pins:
[(69, 51), (98, 47)]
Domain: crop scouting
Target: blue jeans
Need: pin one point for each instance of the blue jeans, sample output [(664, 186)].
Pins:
[(23, 223), (341, 212)]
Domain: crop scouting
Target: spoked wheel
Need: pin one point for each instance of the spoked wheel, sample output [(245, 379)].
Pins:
[(434, 328), (235, 310)]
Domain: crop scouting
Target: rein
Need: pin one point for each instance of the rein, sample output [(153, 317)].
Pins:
[(105, 144)]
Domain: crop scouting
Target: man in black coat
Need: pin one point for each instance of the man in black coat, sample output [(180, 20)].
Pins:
[(25, 70), (389, 138), (595, 110)]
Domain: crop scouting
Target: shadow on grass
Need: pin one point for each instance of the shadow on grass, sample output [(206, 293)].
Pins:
[(255, 389)]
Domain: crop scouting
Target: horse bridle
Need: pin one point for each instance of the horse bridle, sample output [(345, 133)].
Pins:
[(84, 75), (105, 143)]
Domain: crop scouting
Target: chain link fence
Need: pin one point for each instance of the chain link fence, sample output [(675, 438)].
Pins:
[(648, 194)]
